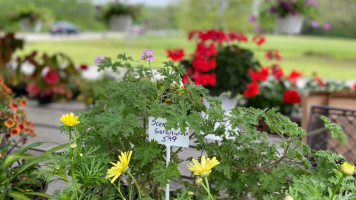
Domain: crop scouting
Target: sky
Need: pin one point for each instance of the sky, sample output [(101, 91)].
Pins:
[(160, 3)]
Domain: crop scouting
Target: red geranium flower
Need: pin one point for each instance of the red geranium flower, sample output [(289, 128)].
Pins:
[(252, 90), (51, 77), (176, 54), (205, 79), (259, 75), (294, 75), (258, 39), (277, 72), (354, 86), (185, 80), (291, 96), (273, 55), (191, 34)]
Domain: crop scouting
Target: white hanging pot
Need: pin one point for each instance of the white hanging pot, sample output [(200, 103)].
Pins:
[(291, 24), (121, 23)]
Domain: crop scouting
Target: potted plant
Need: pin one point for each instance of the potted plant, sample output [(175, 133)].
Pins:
[(18, 169), (219, 63), (288, 15), (119, 16), (8, 45), (31, 18), (51, 78)]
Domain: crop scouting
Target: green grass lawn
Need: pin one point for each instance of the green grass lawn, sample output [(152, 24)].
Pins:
[(329, 57)]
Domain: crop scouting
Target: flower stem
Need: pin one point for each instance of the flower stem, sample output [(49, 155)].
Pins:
[(337, 187), (207, 189), (118, 189), (138, 189)]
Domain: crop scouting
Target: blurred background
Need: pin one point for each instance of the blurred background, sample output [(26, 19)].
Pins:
[(83, 29)]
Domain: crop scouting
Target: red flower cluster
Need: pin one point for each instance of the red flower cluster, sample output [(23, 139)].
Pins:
[(175, 54), (218, 36), (318, 80), (354, 86), (205, 79), (277, 72), (291, 96), (259, 75), (252, 90), (273, 55), (51, 77), (294, 76), (258, 39)]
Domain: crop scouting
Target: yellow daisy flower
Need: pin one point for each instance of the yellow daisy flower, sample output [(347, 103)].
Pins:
[(70, 119), (203, 169), (120, 167), (347, 169)]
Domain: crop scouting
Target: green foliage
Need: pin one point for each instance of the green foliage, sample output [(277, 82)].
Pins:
[(119, 8), (250, 166), (232, 72), (322, 180)]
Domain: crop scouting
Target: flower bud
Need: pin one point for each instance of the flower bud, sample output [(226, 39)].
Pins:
[(190, 193), (288, 198), (347, 169), (198, 181), (81, 155), (205, 174), (73, 145)]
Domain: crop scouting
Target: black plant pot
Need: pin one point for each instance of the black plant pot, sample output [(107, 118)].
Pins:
[(19, 90), (43, 100)]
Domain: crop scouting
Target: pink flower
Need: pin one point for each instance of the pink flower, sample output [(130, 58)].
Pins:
[(147, 55), (327, 26), (51, 77), (33, 89), (99, 59), (314, 24), (252, 18)]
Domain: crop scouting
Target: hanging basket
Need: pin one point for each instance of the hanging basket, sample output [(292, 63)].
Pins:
[(291, 24), (121, 23)]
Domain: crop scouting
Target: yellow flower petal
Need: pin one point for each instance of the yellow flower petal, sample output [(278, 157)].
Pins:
[(203, 168), (120, 167), (70, 119)]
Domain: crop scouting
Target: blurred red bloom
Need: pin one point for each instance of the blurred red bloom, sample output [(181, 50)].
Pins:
[(354, 86), (294, 76), (273, 55), (191, 34), (51, 77), (291, 96), (258, 39), (252, 90), (205, 79), (185, 80), (175, 54), (259, 75), (238, 36), (83, 67), (277, 72)]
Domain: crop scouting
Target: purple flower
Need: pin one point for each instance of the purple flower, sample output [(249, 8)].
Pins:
[(327, 26), (147, 55), (272, 10), (312, 2), (99, 59), (294, 12), (258, 28), (314, 24), (252, 18)]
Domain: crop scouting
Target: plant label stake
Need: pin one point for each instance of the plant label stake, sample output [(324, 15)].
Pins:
[(173, 137)]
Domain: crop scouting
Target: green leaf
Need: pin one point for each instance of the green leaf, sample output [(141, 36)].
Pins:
[(18, 196), (14, 157), (335, 130), (163, 175), (26, 147), (38, 194)]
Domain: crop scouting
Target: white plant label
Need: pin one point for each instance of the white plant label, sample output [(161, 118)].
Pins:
[(157, 131)]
